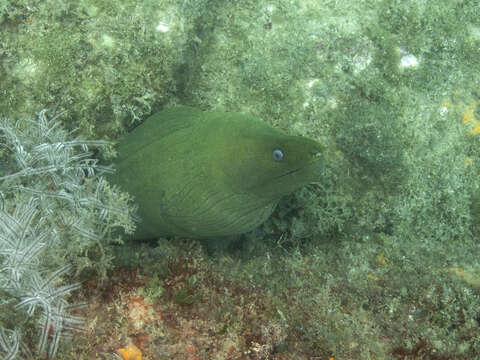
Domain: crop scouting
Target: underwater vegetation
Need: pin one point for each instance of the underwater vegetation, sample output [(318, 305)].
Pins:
[(56, 216), (379, 259)]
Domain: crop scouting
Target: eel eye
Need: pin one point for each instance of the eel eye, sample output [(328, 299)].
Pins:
[(277, 155)]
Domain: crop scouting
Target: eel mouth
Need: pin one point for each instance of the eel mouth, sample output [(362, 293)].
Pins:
[(316, 161), (311, 170), (314, 166)]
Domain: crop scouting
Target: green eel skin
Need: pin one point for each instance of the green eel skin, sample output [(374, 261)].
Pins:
[(210, 174)]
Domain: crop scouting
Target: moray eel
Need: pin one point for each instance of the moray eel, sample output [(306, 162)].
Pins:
[(210, 174)]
